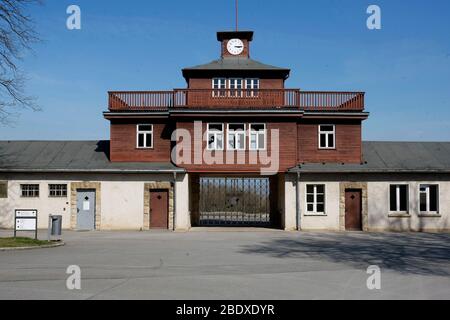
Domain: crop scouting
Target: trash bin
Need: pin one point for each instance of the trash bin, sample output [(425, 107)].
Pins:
[(56, 225)]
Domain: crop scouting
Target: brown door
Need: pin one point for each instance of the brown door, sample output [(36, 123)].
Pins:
[(159, 213), (353, 212)]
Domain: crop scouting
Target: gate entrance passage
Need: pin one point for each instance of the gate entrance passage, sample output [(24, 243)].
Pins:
[(234, 202)]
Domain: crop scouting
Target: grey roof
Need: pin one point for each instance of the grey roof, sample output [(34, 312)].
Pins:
[(236, 63), (380, 157), (69, 156)]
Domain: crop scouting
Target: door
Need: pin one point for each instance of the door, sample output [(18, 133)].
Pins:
[(86, 210), (353, 210), (159, 213)]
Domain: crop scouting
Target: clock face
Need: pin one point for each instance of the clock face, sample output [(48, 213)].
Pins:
[(235, 47)]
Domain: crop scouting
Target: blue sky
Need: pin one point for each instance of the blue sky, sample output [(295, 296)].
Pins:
[(142, 45)]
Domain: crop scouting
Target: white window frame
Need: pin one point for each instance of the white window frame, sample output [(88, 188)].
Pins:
[(217, 90), (252, 87), (236, 92), (315, 202), (236, 134), (29, 195), (59, 191), (216, 134), (397, 198), (144, 132), (327, 133), (257, 133), (427, 193)]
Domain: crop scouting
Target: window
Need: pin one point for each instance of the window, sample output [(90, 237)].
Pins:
[(236, 86), (57, 190), (236, 137), (327, 136), (257, 137), (219, 83), (145, 136), (399, 198), (29, 190), (252, 87), (315, 199), (3, 189), (215, 136), (429, 198)]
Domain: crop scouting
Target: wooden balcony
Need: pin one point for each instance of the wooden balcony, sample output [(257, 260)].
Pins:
[(236, 99)]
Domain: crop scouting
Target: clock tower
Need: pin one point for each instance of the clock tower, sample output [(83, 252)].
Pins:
[(235, 43)]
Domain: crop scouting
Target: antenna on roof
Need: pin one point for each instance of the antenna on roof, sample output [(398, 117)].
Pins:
[(237, 15)]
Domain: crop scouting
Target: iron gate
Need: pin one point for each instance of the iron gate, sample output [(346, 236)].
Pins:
[(234, 201)]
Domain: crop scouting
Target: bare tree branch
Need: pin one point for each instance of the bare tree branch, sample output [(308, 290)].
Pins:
[(17, 34)]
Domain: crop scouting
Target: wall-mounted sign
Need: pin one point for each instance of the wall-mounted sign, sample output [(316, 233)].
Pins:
[(26, 220)]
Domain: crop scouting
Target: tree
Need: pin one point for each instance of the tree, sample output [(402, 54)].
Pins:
[(17, 33)]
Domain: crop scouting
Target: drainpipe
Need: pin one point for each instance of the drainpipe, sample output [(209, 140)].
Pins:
[(174, 200), (297, 203)]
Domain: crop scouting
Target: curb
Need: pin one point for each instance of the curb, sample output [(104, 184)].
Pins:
[(59, 244)]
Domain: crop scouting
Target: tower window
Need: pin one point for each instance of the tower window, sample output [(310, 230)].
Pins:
[(252, 87), (219, 87), (236, 137), (215, 136), (236, 86), (327, 137), (144, 136), (257, 137)]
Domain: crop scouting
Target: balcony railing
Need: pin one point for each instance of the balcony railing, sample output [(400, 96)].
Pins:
[(236, 99)]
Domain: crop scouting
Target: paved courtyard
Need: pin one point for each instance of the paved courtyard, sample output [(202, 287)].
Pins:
[(255, 264)]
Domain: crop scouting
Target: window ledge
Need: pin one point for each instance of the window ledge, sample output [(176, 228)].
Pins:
[(429, 215), (315, 215), (399, 215)]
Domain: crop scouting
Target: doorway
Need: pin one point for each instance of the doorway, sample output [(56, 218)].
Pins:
[(353, 210), (159, 209), (85, 210), (234, 201)]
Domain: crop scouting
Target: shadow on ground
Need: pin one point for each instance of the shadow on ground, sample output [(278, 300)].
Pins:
[(423, 254)]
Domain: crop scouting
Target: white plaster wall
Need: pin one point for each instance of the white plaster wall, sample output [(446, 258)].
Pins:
[(122, 198), (182, 214), (380, 218), (122, 205), (44, 204), (329, 221), (289, 213)]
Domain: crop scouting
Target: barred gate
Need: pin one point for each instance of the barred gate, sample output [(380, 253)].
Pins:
[(234, 201)]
